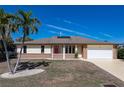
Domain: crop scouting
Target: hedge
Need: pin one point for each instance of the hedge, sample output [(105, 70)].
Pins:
[(121, 53)]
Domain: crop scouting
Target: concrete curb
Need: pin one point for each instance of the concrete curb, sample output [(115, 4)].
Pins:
[(23, 73)]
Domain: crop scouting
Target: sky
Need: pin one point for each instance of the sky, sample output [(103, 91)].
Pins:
[(104, 23)]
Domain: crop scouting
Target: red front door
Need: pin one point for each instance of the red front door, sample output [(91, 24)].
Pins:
[(56, 49)]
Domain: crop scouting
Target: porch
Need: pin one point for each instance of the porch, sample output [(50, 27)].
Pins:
[(55, 52), (47, 57)]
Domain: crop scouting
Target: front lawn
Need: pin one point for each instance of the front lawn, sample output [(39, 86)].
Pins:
[(63, 74)]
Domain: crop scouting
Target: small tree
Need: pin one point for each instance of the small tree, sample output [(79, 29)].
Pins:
[(29, 26), (10, 23)]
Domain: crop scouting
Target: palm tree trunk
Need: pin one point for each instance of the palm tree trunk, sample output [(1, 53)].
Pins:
[(20, 53), (7, 56)]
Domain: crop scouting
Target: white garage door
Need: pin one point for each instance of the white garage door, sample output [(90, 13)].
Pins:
[(99, 51)]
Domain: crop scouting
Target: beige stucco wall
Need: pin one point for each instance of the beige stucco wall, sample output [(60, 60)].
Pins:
[(100, 46), (79, 51), (114, 51)]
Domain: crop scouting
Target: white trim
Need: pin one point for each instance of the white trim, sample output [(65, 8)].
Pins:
[(36, 49), (76, 49), (63, 51), (47, 49), (52, 51)]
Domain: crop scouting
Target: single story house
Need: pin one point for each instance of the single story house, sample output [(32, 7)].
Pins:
[(65, 47)]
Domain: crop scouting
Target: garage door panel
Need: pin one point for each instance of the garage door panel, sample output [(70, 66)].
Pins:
[(99, 53)]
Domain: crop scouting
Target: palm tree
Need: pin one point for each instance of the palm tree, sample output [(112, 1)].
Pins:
[(29, 26), (6, 26), (26, 39)]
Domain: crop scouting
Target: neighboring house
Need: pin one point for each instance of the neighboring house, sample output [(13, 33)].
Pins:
[(65, 47), (121, 46)]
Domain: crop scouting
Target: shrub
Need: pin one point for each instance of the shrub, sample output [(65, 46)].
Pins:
[(76, 55), (121, 53), (2, 57), (12, 54), (11, 47)]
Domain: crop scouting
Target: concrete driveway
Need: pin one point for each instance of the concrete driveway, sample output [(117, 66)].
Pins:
[(115, 67)]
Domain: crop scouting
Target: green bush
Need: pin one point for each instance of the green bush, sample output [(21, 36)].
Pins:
[(2, 56), (121, 53), (11, 55), (11, 50), (76, 55)]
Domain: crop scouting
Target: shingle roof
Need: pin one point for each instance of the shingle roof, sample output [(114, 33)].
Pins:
[(65, 40)]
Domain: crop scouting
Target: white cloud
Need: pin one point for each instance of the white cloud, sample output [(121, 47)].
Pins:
[(70, 22), (66, 21), (72, 31), (58, 33), (67, 30), (53, 32), (107, 35)]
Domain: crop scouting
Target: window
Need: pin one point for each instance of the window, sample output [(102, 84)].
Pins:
[(66, 49), (73, 49), (69, 49), (24, 49), (42, 49)]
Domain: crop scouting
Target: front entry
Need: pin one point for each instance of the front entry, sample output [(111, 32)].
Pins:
[(57, 52)]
